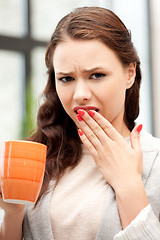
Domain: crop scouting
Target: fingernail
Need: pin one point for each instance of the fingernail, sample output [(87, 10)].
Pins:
[(80, 132), (81, 112), (79, 118), (91, 113), (139, 128)]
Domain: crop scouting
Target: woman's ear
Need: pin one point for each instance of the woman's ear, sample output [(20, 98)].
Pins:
[(131, 75)]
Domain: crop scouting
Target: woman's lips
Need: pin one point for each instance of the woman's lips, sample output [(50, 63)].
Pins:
[(86, 108)]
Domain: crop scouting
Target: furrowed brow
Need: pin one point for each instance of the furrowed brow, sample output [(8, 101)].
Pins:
[(92, 69), (64, 73), (84, 71)]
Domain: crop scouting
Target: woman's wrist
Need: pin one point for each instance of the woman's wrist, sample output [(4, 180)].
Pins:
[(123, 186), (11, 227), (16, 213), (131, 199)]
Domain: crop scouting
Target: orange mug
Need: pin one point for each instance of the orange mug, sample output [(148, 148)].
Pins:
[(22, 171)]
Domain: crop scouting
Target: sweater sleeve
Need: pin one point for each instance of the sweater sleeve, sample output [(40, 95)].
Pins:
[(144, 226)]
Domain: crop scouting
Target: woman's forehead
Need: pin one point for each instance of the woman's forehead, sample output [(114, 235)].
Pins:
[(82, 51)]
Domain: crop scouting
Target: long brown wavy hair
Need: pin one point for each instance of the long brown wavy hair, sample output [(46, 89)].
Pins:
[(54, 127)]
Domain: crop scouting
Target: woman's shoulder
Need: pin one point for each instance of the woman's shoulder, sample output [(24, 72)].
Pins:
[(149, 142)]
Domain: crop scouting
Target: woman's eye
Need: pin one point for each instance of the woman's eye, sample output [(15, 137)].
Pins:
[(97, 75), (66, 79)]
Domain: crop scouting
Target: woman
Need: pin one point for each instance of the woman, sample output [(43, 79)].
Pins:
[(101, 175)]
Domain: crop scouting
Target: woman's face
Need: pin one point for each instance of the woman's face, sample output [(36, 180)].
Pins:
[(89, 75)]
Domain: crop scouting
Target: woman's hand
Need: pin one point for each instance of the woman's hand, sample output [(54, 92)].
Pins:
[(11, 208), (119, 162)]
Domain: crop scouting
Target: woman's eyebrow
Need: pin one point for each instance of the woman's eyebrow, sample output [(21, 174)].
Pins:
[(84, 71), (92, 69), (64, 73)]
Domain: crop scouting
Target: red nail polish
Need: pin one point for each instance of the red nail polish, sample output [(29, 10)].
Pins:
[(91, 113), (139, 128), (80, 132), (81, 112), (79, 118)]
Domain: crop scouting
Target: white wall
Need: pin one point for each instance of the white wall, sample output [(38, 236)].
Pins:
[(155, 43)]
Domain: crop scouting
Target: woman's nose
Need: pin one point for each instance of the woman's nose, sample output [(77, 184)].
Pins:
[(82, 93)]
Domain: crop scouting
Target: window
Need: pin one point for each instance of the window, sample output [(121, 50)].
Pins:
[(17, 51)]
